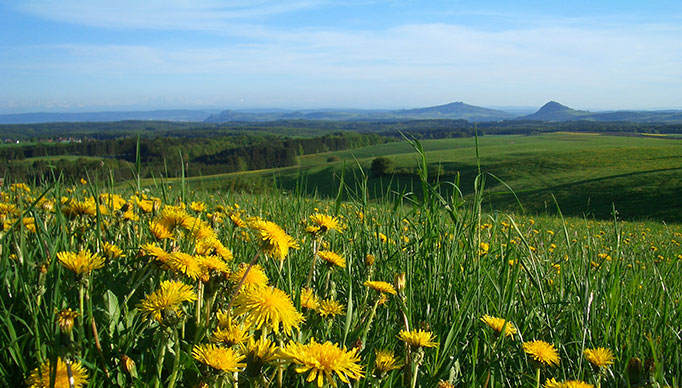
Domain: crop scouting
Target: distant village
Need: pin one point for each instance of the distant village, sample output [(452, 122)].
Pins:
[(49, 140)]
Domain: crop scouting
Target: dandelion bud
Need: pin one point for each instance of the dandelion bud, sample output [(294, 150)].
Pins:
[(65, 319), (369, 260), (129, 365), (634, 370), (400, 281)]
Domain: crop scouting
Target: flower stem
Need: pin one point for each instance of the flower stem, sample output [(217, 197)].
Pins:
[(176, 361), (312, 265), (369, 322), (537, 378), (414, 375), (200, 298), (159, 362), (81, 317)]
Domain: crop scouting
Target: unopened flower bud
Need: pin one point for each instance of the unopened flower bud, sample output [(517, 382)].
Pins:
[(65, 319), (129, 365), (369, 260), (400, 281)]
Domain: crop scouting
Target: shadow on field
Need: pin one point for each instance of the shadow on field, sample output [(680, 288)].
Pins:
[(653, 194)]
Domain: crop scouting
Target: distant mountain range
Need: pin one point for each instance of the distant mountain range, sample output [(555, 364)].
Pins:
[(551, 111), (161, 115), (455, 110)]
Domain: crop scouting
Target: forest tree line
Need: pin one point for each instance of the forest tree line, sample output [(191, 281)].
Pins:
[(433, 128), (163, 156)]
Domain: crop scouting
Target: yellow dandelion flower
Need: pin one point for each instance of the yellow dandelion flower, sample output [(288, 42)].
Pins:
[(325, 222), (332, 258), (198, 206), (81, 263), (166, 300), (19, 187), (237, 221), (231, 334), (212, 246), (322, 361), (160, 231), (223, 252), (311, 229), (199, 228), (129, 215), (147, 206), (267, 306), (386, 361), (309, 300), (156, 252), (65, 320), (29, 224), (444, 384), (274, 240), (112, 201), (566, 384), (498, 324), (255, 278), (211, 266), (40, 377), (330, 307), (224, 318), (183, 263), (76, 208), (172, 216), (112, 251), (599, 357), (383, 287), (224, 359), (259, 352), (542, 352), (418, 338)]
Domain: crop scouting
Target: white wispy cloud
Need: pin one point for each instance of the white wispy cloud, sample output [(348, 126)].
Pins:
[(201, 15), (576, 61)]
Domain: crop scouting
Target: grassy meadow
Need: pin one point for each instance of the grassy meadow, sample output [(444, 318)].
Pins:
[(173, 284), (588, 174)]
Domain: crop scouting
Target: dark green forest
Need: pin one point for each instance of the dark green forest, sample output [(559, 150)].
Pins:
[(163, 156), (109, 150), (436, 128)]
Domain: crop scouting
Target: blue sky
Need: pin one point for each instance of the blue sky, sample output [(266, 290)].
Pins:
[(75, 55)]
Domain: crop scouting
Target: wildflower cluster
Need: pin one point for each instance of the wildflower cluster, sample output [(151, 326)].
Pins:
[(172, 290)]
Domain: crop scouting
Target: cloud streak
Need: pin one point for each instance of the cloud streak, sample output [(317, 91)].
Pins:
[(199, 15), (611, 65)]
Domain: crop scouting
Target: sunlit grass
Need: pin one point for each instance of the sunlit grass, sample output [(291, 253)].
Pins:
[(149, 316)]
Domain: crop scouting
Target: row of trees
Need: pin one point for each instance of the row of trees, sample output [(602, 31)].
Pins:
[(163, 156), (431, 128)]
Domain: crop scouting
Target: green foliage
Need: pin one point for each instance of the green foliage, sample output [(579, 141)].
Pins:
[(150, 156), (382, 166)]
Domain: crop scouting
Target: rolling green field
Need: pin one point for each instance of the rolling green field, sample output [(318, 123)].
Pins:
[(174, 287), (588, 174)]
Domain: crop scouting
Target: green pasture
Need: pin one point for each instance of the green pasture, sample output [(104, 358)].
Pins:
[(588, 174), (53, 158)]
